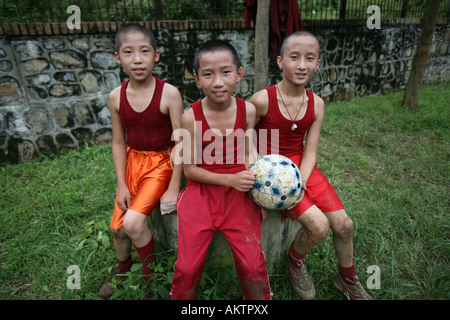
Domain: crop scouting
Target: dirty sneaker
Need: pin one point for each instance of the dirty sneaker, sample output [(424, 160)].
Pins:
[(300, 280), (352, 292), (106, 291)]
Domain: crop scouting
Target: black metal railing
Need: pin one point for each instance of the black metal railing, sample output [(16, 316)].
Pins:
[(41, 11), (358, 9)]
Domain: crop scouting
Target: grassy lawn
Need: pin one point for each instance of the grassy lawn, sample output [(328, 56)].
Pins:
[(389, 164)]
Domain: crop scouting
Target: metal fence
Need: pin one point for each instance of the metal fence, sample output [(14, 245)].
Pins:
[(44, 11), (358, 9), (35, 11)]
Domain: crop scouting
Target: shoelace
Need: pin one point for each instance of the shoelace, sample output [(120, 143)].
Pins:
[(302, 269), (360, 289)]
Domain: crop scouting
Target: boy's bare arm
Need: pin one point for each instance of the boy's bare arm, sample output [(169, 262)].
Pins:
[(261, 102), (119, 147), (251, 152), (309, 157), (173, 103), (251, 144)]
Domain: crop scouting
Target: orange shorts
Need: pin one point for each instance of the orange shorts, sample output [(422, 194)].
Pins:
[(148, 174)]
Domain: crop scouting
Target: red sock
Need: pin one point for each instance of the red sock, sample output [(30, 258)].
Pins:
[(125, 265), (348, 274), (147, 255), (294, 255)]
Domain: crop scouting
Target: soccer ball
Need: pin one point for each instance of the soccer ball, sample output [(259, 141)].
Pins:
[(278, 182)]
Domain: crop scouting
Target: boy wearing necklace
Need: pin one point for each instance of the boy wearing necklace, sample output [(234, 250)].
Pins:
[(290, 111)]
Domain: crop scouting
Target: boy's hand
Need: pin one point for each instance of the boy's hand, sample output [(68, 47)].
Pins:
[(123, 198), (300, 198), (168, 202), (243, 181), (263, 214), (169, 197)]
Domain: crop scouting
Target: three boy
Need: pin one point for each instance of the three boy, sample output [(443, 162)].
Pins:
[(215, 197)]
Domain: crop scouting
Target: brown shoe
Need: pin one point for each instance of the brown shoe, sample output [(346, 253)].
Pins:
[(352, 292), (106, 291), (300, 280)]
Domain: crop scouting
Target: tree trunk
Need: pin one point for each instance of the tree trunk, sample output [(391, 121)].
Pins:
[(261, 45), (415, 80)]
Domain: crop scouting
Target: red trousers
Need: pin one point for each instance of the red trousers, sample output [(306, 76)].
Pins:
[(205, 209)]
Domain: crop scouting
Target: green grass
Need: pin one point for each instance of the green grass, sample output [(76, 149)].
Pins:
[(388, 163)]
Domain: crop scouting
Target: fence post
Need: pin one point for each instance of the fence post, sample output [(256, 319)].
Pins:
[(158, 10), (447, 15), (404, 9), (342, 9)]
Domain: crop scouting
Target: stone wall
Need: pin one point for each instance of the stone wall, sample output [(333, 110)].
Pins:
[(54, 88)]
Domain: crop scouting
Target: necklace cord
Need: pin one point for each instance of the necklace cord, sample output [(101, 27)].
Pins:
[(303, 100)]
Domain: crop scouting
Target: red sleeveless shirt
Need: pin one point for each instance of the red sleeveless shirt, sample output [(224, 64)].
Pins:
[(274, 130), (217, 153), (149, 130)]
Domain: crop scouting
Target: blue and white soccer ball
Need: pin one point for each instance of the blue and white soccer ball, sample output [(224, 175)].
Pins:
[(278, 182)]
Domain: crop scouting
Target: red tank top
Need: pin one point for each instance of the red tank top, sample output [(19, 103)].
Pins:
[(217, 153), (274, 130), (149, 130)]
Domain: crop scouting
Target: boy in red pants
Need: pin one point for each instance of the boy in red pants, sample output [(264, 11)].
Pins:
[(293, 111), (215, 197), (144, 112)]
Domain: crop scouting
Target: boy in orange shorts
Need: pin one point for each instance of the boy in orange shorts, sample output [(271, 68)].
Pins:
[(144, 112), (292, 113)]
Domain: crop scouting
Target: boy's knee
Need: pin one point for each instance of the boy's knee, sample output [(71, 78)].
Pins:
[(345, 228), (134, 227), (251, 268), (187, 270), (118, 233), (131, 229), (318, 230)]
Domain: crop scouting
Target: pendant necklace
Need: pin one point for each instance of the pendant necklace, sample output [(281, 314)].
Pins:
[(294, 126)]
